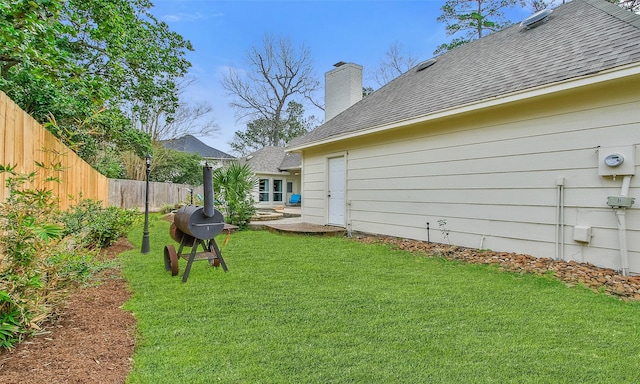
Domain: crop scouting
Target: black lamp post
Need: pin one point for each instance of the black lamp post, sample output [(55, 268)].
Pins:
[(145, 235)]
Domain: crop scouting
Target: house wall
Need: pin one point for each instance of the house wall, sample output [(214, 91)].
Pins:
[(493, 175)]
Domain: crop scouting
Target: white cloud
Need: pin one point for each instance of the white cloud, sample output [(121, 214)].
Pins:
[(184, 17)]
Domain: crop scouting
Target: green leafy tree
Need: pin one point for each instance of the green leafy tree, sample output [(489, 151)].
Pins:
[(258, 133), (468, 20), (171, 166), (233, 185), (254, 137), (29, 30), (95, 69)]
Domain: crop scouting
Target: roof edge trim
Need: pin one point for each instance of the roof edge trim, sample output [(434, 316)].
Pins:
[(576, 82)]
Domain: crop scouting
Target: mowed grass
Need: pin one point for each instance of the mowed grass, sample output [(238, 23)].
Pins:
[(298, 309)]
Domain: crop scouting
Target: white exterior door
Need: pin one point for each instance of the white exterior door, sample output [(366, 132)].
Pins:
[(336, 191)]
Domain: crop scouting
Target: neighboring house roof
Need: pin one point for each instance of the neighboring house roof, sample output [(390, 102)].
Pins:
[(272, 160), (580, 38), (191, 144)]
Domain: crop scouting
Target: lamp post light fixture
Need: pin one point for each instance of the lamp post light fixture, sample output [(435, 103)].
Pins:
[(145, 235)]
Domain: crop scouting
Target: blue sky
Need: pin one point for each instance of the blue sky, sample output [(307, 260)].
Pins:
[(358, 31)]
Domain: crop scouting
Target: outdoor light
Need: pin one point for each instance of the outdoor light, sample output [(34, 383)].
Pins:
[(145, 235)]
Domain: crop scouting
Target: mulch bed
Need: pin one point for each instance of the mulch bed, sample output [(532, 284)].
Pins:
[(94, 341), (572, 273)]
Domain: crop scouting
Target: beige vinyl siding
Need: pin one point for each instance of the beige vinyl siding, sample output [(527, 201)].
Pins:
[(492, 176)]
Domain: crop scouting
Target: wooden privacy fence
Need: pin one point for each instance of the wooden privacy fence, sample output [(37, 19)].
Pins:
[(132, 193), (23, 142)]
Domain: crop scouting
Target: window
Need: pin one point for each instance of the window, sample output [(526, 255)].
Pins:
[(277, 190), (263, 191), (289, 187)]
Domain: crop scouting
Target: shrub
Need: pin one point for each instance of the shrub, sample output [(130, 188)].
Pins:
[(94, 226), (168, 208)]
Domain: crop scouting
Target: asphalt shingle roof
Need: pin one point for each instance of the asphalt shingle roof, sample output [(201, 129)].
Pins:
[(272, 160), (291, 161), (579, 38), (191, 144)]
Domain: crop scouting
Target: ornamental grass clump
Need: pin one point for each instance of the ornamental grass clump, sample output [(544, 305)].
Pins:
[(39, 258), (27, 239)]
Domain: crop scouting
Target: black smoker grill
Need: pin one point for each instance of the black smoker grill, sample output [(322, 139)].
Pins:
[(193, 227)]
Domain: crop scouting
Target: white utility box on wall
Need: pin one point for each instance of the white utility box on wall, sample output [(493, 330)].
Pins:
[(617, 161), (582, 234), (620, 201)]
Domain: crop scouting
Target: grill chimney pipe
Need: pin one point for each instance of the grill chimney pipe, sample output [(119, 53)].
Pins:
[(207, 182)]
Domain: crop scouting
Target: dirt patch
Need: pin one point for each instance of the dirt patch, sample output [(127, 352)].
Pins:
[(92, 343)]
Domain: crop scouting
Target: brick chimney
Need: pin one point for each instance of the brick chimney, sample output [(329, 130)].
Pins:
[(342, 89)]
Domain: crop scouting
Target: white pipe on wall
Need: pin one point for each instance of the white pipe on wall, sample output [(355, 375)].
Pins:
[(621, 214), (562, 222), (559, 241)]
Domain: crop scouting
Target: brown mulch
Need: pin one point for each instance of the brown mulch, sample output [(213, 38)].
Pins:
[(92, 343), (570, 272)]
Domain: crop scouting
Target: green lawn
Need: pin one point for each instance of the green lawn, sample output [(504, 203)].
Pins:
[(296, 309)]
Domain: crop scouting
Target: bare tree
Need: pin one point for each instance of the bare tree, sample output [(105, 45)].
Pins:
[(278, 74), (189, 118), (395, 64)]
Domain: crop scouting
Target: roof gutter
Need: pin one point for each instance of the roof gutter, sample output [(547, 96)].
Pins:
[(599, 77)]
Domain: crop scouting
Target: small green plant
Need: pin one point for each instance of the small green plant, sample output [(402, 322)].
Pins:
[(9, 321), (442, 224), (168, 208)]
